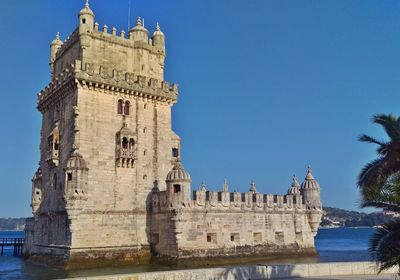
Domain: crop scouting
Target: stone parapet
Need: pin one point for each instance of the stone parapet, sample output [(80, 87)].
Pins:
[(70, 41), (280, 271), (209, 200)]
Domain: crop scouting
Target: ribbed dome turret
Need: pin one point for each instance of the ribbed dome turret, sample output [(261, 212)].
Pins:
[(57, 41), (178, 174), (295, 186), (158, 31), (38, 174), (125, 130), (76, 161), (309, 181), (139, 26), (253, 187), (86, 10)]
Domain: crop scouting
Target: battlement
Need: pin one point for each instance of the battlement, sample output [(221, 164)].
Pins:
[(111, 80), (134, 51), (122, 39), (251, 201)]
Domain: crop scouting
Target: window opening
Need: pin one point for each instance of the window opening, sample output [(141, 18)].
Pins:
[(124, 143), (175, 152), (126, 108), (120, 105), (177, 188)]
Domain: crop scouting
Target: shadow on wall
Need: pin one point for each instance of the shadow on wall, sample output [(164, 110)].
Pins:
[(258, 272), (149, 216)]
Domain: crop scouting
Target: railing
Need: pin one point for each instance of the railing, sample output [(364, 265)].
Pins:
[(16, 243)]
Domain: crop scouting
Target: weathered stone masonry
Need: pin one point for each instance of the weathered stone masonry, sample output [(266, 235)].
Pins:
[(110, 186)]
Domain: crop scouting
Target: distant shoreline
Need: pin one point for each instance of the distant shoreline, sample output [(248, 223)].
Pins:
[(332, 227)]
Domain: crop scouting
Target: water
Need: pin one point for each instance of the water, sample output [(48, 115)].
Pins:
[(338, 244), (343, 244)]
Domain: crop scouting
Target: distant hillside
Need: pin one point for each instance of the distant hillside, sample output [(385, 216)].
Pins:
[(335, 217), (12, 223)]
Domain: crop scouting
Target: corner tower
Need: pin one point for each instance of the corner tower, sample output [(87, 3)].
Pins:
[(311, 193), (106, 142)]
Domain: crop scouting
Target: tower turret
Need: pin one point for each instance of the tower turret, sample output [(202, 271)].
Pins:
[(86, 19), (178, 186), (76, 180), (310, 191), (294, 189), (139, 33), (54, 47), (159, 39), (36, 192)]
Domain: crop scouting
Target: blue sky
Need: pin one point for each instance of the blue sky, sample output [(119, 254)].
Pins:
[(267, 87)]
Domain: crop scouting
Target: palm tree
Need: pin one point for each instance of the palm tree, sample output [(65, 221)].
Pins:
[(379, 182)]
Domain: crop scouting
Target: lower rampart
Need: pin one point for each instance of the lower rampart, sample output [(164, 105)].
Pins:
[(283, 271)]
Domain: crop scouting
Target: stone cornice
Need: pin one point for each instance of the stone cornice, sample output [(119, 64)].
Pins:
[(97, 77), (109, 80), (62, 85)]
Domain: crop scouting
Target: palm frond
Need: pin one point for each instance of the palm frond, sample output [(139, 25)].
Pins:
[(390, 123), (384, 245), (369, 139), (382, 205), (370, 173)]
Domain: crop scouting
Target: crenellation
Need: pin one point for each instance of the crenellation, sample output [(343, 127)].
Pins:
[(99, 76), (227, 201)]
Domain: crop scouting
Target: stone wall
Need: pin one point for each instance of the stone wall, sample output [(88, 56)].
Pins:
[(223, 224), (359, 270)]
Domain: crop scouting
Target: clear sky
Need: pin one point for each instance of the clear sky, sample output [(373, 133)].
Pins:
[(266, 87)]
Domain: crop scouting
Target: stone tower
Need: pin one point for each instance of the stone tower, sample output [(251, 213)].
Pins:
[(310, 191), (110, 187), (106, 142)]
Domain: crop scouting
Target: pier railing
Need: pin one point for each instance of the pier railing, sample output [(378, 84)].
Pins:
[(16, 243)]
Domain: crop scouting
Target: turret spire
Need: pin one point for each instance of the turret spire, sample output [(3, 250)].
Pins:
[(139, 22), (309, 175), (225, 186), (253, 186), (295, 182)]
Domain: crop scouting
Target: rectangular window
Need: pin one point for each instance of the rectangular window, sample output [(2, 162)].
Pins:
[(235, 237), (257, 237), (175, 152), (69, 176), (177, 188), (212, 237)]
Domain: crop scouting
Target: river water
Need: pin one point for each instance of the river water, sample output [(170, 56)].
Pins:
[(333, 245)]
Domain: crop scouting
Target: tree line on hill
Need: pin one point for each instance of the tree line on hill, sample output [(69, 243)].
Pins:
[(335, 217), (12, 223)]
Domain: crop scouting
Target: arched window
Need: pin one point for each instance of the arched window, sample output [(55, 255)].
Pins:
[(124, 143), (120, 106), (126, 108), (131, 143)]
